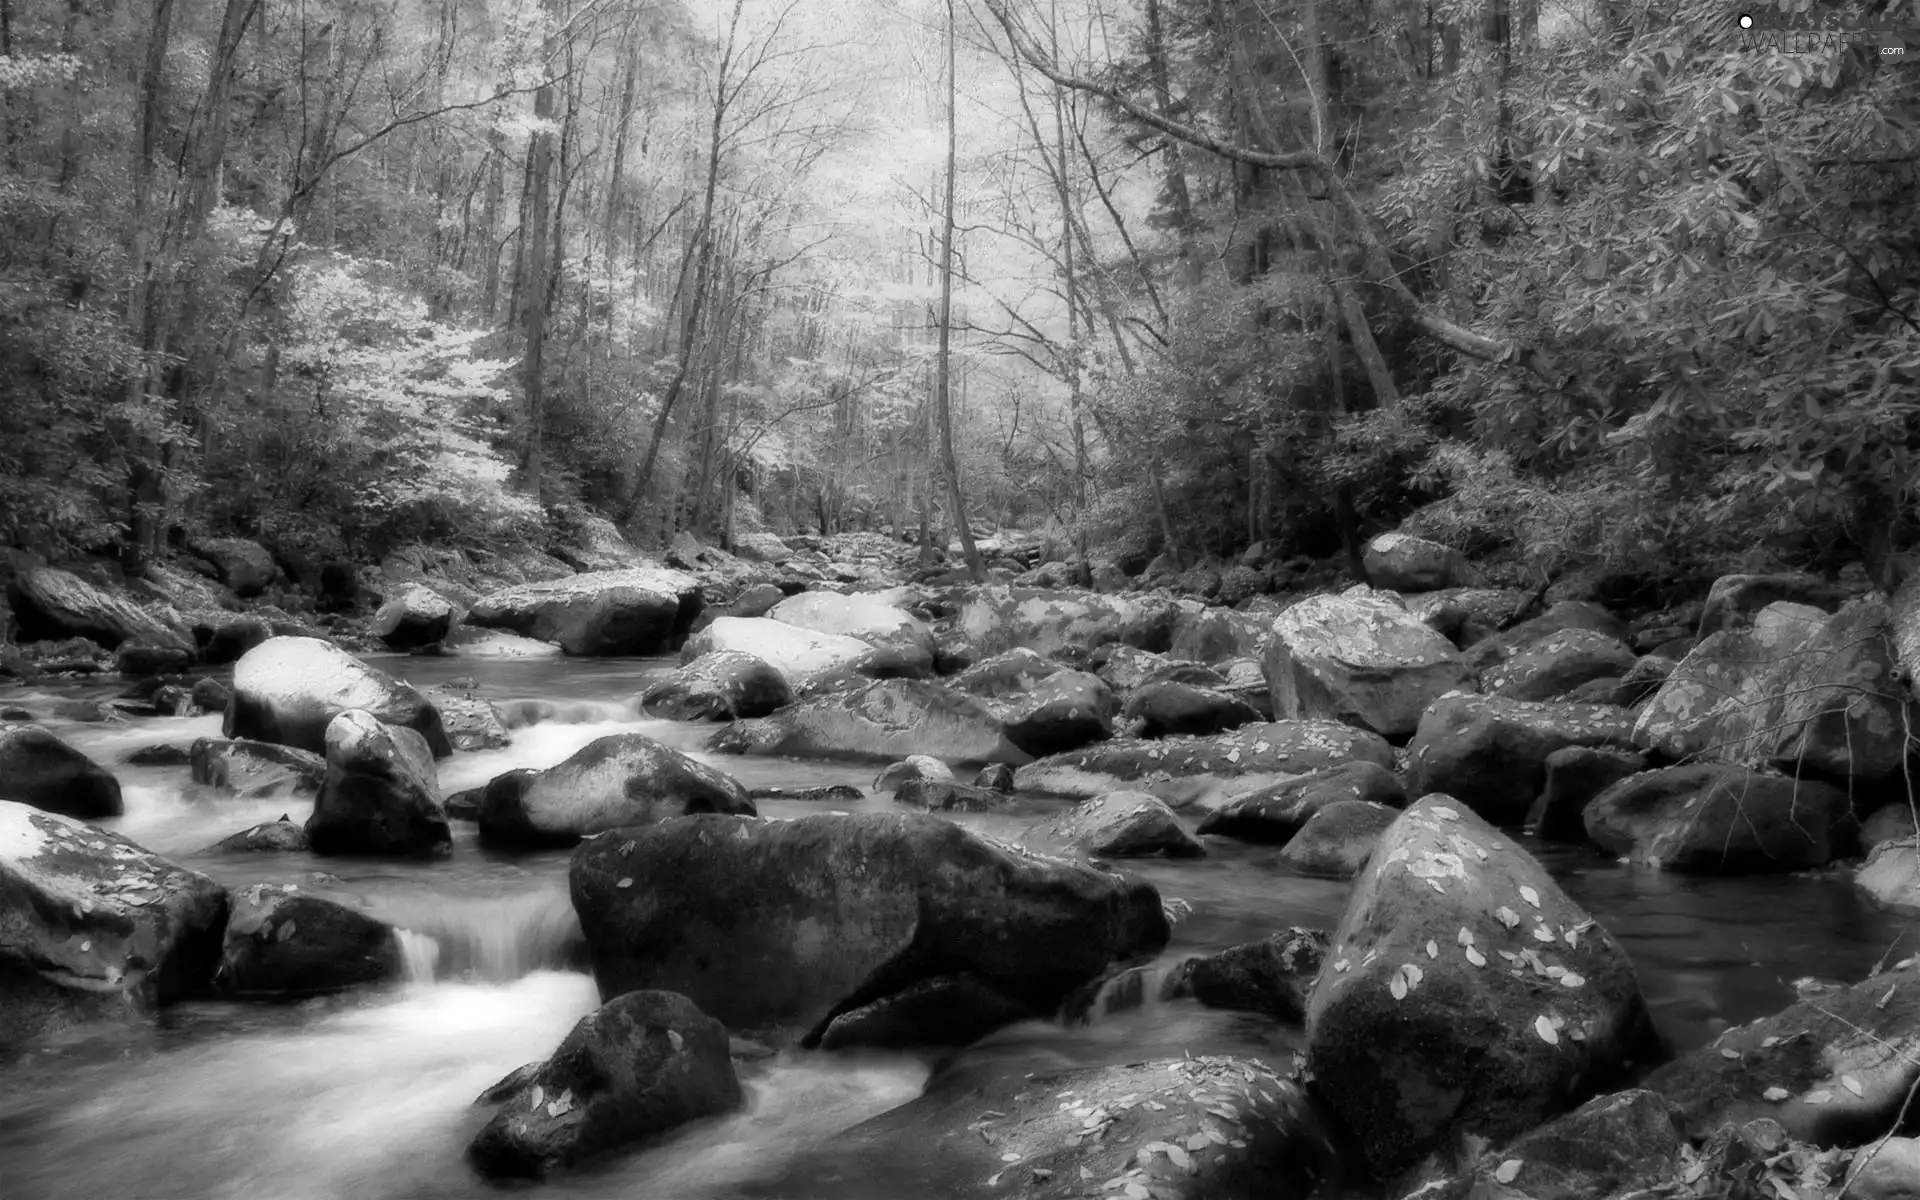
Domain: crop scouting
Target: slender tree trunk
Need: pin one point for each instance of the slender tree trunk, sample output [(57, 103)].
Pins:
[(210, 149), (1179, 200), (145, 487), (943, 385), (496, 168), (535, 239)]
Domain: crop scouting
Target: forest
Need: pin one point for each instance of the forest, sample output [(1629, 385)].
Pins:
[(1616, 287)]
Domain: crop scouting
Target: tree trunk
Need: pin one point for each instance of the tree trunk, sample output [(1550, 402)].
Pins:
[(943, 385), (1179, 201), (1343, 510), (496, 168), (534, 238), (145, 490), (210, 148)]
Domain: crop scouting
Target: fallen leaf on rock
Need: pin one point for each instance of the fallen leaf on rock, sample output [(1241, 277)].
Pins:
[(1852, 1084), (1544, 1027), (1775, 1094), (1155, 1106), (1769, 1043), (1888, 996), (1433, 951), (1730, 1054), (1179, 1157), (1542, 934), (1530, 896), (1136, 1192), (1820, 1097), (1009, 1157), (1508, 1171), (625, 883), (538, 1097), (1475, 957), (674, 1039), (1507, 916), (1445, 813), (1398, 986), (1199, 1142), (1465, 937), (1572, 979)]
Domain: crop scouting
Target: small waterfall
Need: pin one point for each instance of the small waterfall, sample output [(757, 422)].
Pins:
[(491, 939), (419, 956), (1127, 990)]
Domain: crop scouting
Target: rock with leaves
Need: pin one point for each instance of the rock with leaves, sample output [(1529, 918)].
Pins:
[(289, 689)]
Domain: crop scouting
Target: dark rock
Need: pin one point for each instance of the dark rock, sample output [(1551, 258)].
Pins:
[(1626, 1143), (756, 601), (1123, 667), (1166, 709), (290, 689), (38, 769), (160, 754), (1275, 814), (881, 720), (836, 793), (1492, 752), (15, 713), (1123, 825), (1575, 775), (272, 837), (1735, 600), (284, 945), (1064, 711), (381, 794), (1337, 841), (472, 723), (1403, 563), (1214, 635), (1565, 615), (825, 914), (244, 566), (96, 926), (92, 712), (1361, 659), (231, 640), (622, 779), (995, 776), (50, 604), (949, 795), (464, 805), (1249, 757), (417, 617), (949, 1010), (1557, 664), (723, 685), (1523, 1007), (637, 611), (145, 656), (256, 770), (1272, 976), (643, 1064), (913, 767), (1713, 818)]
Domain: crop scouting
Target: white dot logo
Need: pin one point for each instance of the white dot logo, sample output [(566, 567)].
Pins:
[(1746, 22)]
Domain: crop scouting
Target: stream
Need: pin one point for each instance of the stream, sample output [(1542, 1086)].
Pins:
[(369, 1096)]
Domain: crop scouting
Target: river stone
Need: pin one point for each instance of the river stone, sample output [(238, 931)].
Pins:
[(471, 723), (913, 767), (1272, 976), (255, 770), (949, 795), (1891, 875), (1337, 841), (1826, 698), (1817, 1050), (1617, 1145), (1215, 635), (642, 610), (50, 605), (1465, 993), (282, 836), (1464, 615), (159, 754), (1011, 673), (1359, 659), (1250, 757), (1575, 775), (998, 618), (1558, 663), (825, 914), (244, 566), (1122, 825), (210, 695), (232, 639), (1492, 752), (885, 719), (642, 1064), (380, 795), (92, 925), (1735, 601), (723, 685), (144, 656), (1884, 824), (1065, 711), (618, 780), (1166, 709), (1274, 814), (1403, 563), (995, 777), (902, 643), (468, 641), (285, 945), (418, 616), (290, 689), (1889, 1171), (950, 1010), (1717, 819), (39, 769), (1161, 1127), (802, 656), (1123, 667), (1565, 615), (834, 793)]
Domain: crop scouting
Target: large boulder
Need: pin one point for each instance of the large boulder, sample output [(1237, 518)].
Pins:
[(1167, 708), (255, 770), (91, 925), (1401, 562), (723, 685), (471, 722), (643, 610), (997, 618), (268, 837), (1123, 667), (418, 616), (289, 690), (1250, 757), (283, 944), (1122, 825), (1492, 752), (1557, 664), (886, 719), (1718, 819), (1891, 875), (1465, 993), (1615, 1146), (822, 915), (1215, 635), (246, 567), (1359, 658), (1010, 673), (1834, 1070), (1818, 694), (381, 794), (1734, 601), (903, 645), (642, 1064), (802, 656), (1273, 976), (51, 605), (1575, 775), (1204, 1127), (1064, 711), (1338, 841), (230, 640), (1565, 615), (618, 780), (39, 769), (1274, 814)]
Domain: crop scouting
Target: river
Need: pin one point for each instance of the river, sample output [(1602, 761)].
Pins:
[(369, 1096)]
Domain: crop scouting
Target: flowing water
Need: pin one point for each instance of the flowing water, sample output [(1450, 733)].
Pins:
[(369, 1096)]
